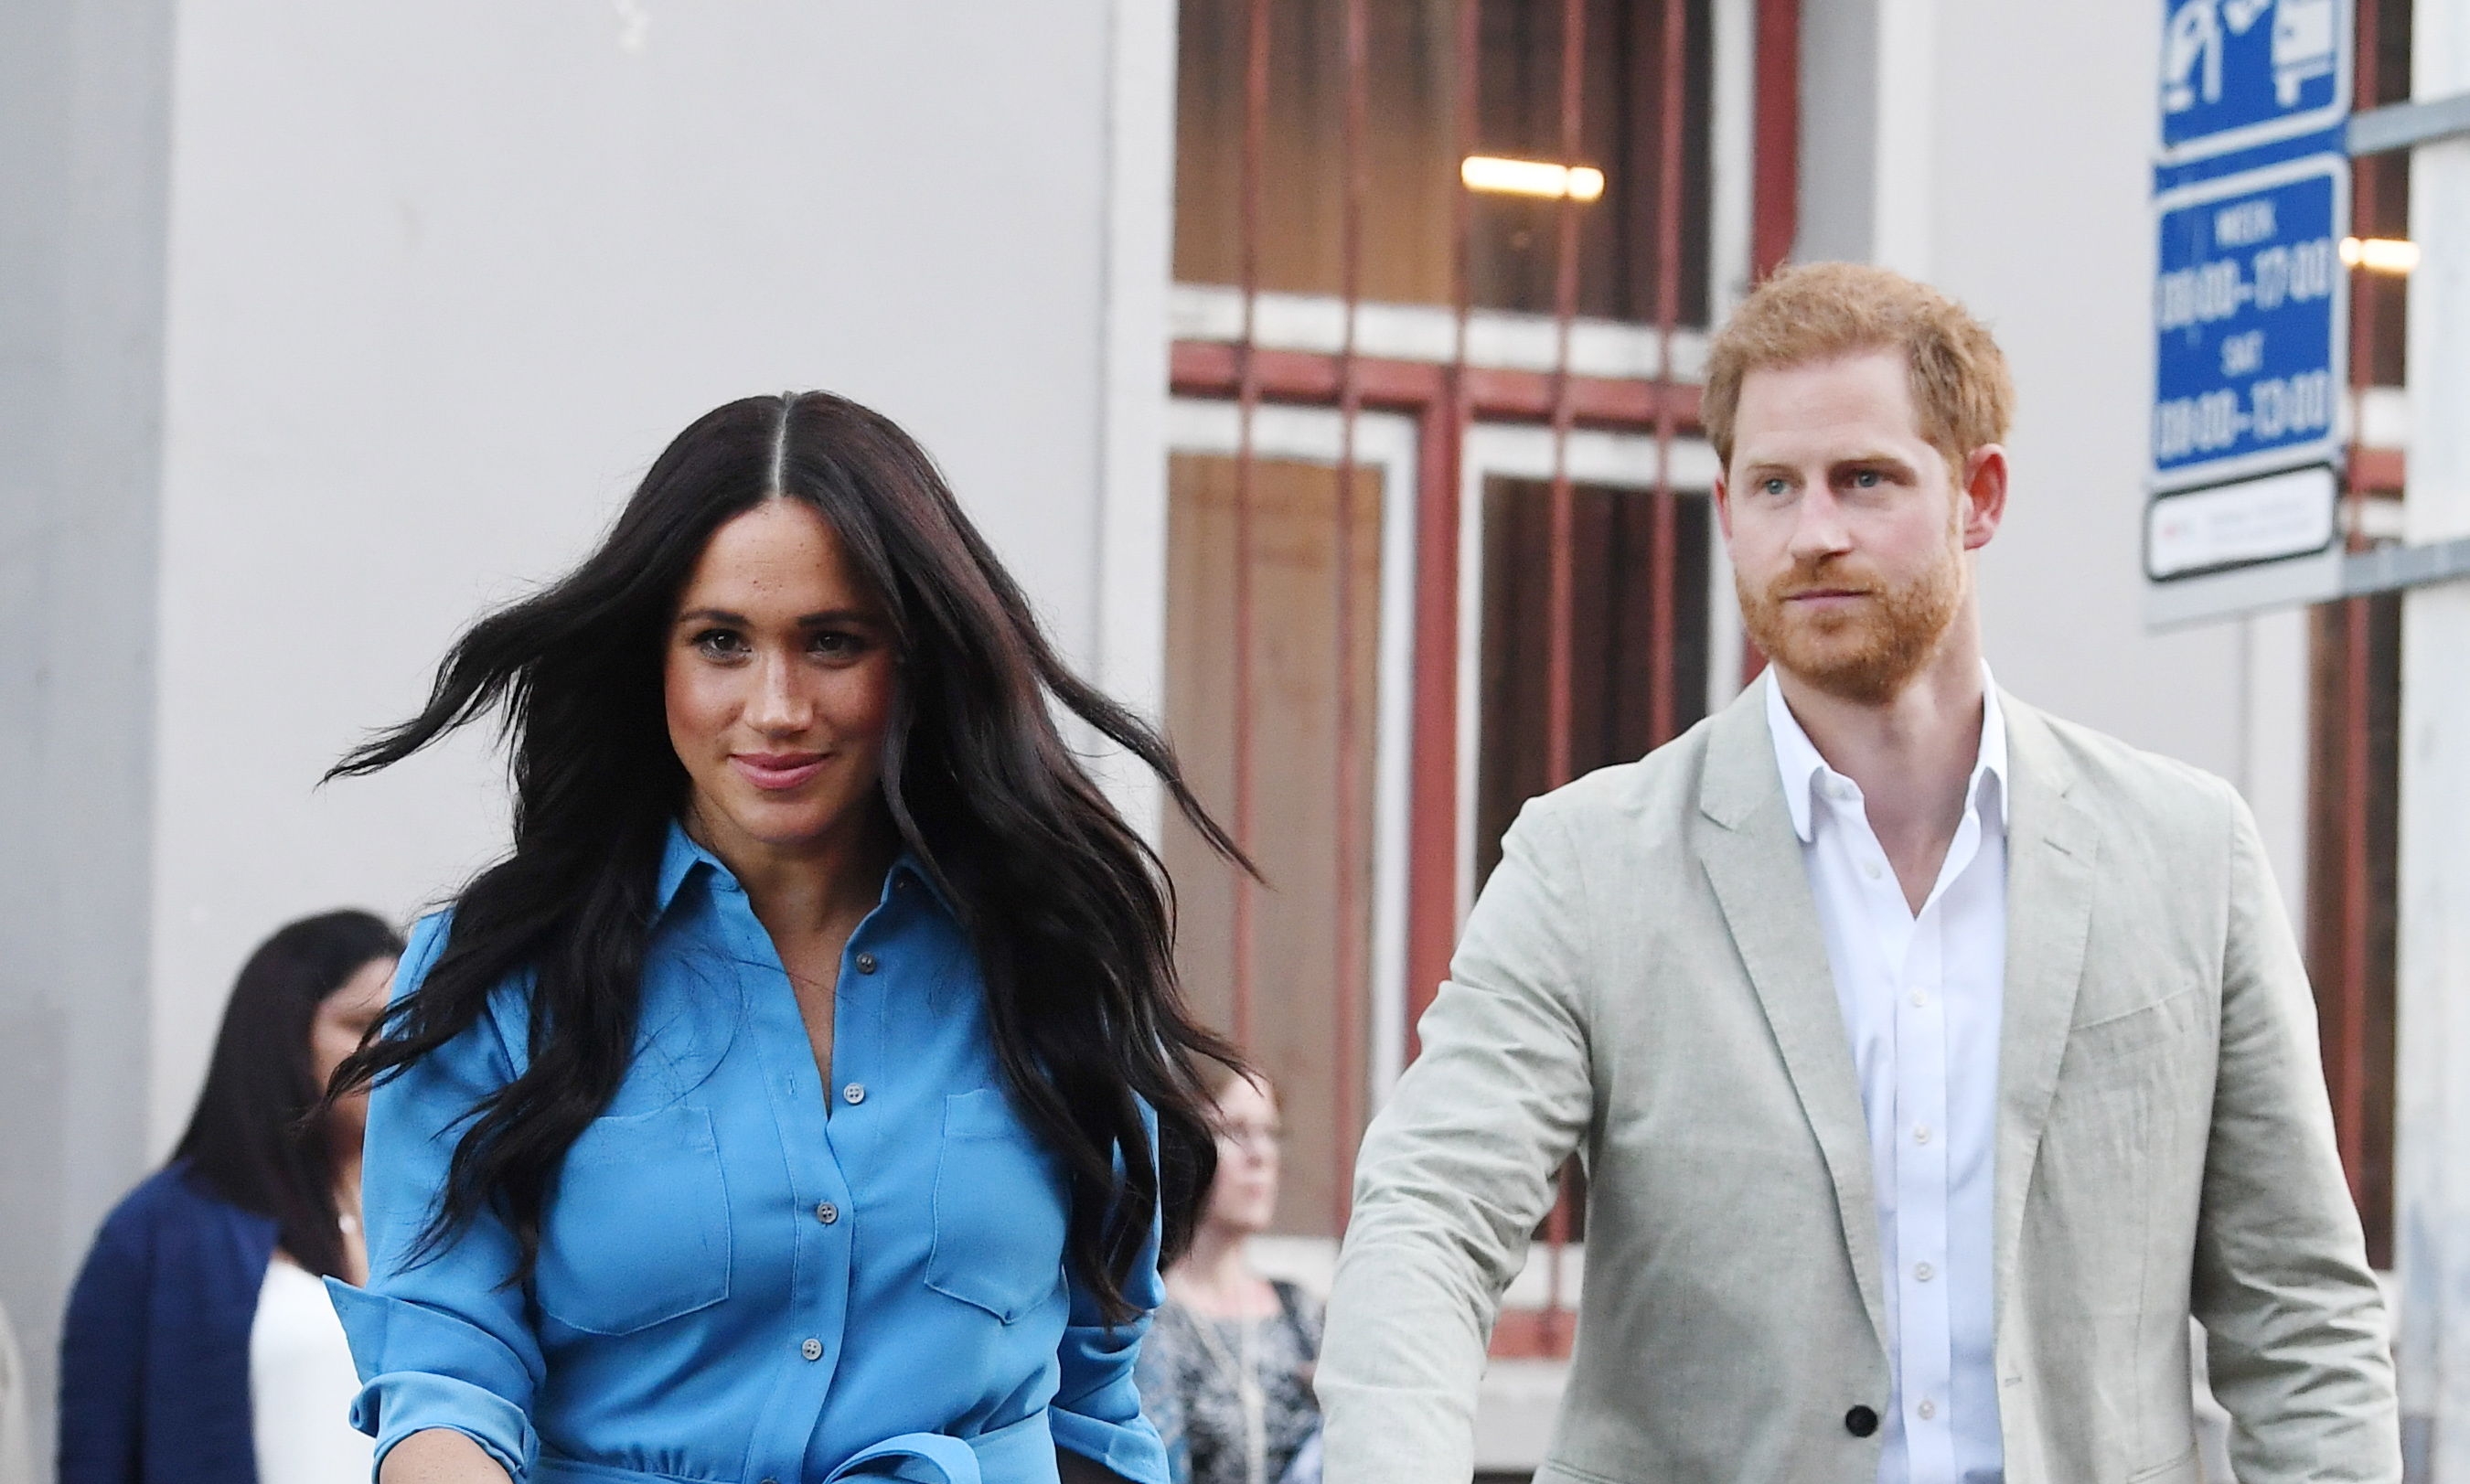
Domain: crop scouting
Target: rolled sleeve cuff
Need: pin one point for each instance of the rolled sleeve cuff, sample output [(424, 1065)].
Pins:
[(422, 1369), (398, 1404), (1131, 1449)]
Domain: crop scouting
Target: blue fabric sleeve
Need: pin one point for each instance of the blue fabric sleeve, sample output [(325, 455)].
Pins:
[(102, 1361), (1097, 1407), (442, 1341)]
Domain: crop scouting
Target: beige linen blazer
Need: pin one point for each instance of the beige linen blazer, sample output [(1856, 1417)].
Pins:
[(1644, 982)]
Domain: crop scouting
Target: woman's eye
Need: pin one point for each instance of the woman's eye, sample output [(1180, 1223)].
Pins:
[(720, 643), (833, 644)]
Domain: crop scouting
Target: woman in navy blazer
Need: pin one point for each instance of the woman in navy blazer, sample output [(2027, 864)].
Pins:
[(155, 1354)]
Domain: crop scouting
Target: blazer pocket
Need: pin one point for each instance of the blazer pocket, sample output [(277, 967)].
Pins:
[(637, 1233), (1000, 1215), (2135, 1039)]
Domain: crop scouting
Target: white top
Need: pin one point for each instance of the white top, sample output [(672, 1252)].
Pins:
[(1922, 996), (301, 1383)]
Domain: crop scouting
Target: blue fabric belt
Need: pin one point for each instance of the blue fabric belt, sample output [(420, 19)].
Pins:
[(1022, 1454)]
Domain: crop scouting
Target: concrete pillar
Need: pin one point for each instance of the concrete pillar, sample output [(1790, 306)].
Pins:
[(85, 176), (2434, 1152)]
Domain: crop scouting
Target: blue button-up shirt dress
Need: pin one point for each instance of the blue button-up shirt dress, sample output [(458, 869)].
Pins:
[(745, 1274)]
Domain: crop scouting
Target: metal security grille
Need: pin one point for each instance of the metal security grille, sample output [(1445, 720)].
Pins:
[(1644, 126)]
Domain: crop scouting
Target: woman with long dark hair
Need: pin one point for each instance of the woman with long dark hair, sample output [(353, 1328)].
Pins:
[(199, 1346), (807, 1094)]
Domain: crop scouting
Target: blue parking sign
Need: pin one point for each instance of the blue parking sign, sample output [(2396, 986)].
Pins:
[(2250, 315), (2236, 74)]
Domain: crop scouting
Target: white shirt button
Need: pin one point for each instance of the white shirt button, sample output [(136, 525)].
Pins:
[(813, 1350), (1921, 1133), (1924, 1272), (1871, 869), (853, 1094), (1921, 999), (1928, 1409)]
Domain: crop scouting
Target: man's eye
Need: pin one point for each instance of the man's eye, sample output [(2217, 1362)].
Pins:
[(1773, 486), (1867, 479)]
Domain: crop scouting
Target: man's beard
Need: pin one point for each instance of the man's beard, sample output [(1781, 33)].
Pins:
[(1866, 655)]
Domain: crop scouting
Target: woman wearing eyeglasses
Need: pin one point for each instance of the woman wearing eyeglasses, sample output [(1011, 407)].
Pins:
[(1227, 1372)]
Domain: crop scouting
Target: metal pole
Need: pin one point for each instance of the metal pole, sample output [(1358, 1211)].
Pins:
[(1347, 899), (1256, 124), (1661, 688), (1560, 762), (2348, 1073)]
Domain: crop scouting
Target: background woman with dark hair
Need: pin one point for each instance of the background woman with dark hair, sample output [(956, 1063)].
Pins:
[(199, 1346), (792, 1102)]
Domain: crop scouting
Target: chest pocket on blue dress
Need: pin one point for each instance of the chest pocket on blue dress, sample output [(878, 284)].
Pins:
[(1000, 1215), (638, 1230)]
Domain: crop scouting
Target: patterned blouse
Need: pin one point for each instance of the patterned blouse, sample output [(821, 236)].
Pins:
[(1190, 1377)]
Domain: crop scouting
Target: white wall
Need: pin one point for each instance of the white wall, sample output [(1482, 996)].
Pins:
[(445, 277)]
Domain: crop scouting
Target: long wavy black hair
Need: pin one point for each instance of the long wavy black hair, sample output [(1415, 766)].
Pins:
[(258, 1138), (1068, 908)]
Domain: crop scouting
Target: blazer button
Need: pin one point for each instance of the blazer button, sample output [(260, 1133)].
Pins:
[(1861, 1422)]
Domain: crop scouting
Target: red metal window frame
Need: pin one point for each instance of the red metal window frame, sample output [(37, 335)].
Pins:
[(1443, 402)]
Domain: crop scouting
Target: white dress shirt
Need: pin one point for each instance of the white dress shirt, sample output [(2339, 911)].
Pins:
[(1920, 996)]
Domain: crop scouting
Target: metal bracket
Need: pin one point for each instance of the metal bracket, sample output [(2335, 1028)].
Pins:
[(2387, 569), (2402, 125), (2298, 582)]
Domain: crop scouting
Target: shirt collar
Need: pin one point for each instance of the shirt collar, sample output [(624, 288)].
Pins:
[(1797, 759), (681, 860)]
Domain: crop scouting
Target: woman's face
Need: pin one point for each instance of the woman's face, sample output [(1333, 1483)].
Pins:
[(779, 679), (334, 1032), (1244, 1194)]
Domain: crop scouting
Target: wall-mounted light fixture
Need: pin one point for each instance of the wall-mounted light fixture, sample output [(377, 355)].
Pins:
[(2380, 254), (1532, 177)]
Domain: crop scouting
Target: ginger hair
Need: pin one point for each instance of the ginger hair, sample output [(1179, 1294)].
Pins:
[(1961, 389)]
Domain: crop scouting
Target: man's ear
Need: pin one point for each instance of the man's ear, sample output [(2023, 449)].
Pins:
[(1721, 494), (1982, 496)]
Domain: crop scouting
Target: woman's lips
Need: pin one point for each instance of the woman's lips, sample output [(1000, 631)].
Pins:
[(776, 772)]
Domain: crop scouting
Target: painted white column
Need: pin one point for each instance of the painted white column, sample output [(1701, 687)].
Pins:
[(2272, 771), (2433, 1178), (1904, 200), (1130, 600)]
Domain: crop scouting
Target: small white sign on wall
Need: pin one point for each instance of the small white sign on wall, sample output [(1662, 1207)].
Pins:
[(2283, 515)]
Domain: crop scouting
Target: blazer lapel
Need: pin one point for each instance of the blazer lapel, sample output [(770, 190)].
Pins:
[(1753, 861), (2053, 845)]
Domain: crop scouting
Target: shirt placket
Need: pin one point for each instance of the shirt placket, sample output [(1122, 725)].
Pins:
[(1924, 1342), (820, 1207), (861, 1098)]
